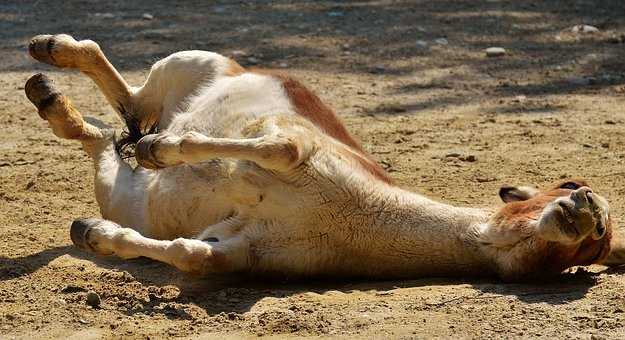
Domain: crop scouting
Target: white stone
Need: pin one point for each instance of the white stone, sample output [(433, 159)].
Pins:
[(584, 29), (495, 52)]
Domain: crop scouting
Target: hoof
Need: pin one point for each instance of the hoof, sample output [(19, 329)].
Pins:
[(40, 90), (40, 48), (79, 231), (144, 155)]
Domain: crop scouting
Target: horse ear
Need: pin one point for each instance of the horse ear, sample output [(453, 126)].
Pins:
[(510, 193)]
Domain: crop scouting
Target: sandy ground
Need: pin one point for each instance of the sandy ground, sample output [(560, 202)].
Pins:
[(550, 109)]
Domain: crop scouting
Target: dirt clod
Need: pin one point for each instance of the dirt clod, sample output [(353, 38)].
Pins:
[(93, 299)]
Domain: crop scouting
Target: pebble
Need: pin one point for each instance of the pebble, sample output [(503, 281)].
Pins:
[(93, 299), (520, 99), (442, 41), (238, 53), (336, 14), (584, 29), (72, 289), (616, 39), (105, 15), (581, 80), (252, 60), (422, 43), (219, 9), (378, 69), (147, 16), (495, 52), (469, 158)]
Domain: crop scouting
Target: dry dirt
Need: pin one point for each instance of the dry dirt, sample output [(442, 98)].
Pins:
[(550, 109)]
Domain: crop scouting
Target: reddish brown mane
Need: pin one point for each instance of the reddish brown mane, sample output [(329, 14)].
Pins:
[(309, 106)]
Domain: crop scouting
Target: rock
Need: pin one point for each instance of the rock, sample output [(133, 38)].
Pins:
[(93, 299), (519, 99), (104, 15), (283, 65), (422, 43), (452, 155), (378, 69), (238, 53), (610, 122), (616, 39), (581, 81), (72, 289), (442, 41), (252, 60), (495, 52), (147, 16), (470, 158), (584, 29)]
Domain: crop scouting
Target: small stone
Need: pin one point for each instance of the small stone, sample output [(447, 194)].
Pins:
[(105, 15), (238, 53), (605, 145), (520, 99), (252, 60), (442, 41), (581, 81), (616, 39), (610, 122), (378, 69), (470, 158), (584, 29), (283, 65), (586, 145), (495, 52), (72, 289), (452, 155), (422, 43), (93, 299), (219, 9), (335, 14), (147, 16)]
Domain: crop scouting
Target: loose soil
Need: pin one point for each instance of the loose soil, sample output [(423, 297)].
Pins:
[(409, 78)]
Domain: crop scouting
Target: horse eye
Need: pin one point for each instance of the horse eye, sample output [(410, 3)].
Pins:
[(570, 185)]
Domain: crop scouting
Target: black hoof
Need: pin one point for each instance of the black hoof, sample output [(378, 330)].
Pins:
[(40, 90), (79, 231), (40, 48)]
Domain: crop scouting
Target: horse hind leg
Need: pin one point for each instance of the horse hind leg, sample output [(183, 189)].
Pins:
[(104, 237)]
